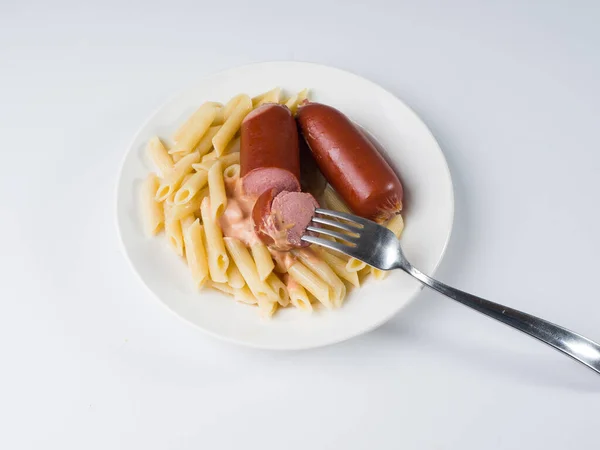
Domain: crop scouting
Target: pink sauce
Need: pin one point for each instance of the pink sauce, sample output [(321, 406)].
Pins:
[(236, 222)]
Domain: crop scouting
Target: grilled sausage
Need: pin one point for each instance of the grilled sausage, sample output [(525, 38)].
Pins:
[(269, 155), (350, 162), (280, 219)]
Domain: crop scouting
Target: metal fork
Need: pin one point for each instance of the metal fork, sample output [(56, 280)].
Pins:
[(379, 247)]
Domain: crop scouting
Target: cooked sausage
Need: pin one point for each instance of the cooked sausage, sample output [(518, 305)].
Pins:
[(269, 155), (280, 219), (350, 162)]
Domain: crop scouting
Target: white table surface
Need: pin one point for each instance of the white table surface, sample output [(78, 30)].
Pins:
[(91, 361)]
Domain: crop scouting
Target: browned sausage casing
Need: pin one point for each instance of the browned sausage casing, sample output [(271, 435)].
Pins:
[(350, 162), (269, 154)]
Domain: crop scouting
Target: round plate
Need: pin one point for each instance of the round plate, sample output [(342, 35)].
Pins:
[(409, 147)]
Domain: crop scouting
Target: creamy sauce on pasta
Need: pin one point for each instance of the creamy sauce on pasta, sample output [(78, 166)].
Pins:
[(236, 222)]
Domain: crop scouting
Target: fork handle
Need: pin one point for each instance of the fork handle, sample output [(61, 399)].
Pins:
[(572, 344)]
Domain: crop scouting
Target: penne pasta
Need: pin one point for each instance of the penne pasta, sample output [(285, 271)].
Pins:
[(262, 259), (195, 252), (173, 178), (205, 144), (272, 96), (190, 133), (191, 207), (232, 123), (190, 187), (232, 173), (354, 265), (177, 135), (210, 156), (216, 189), (218, 261), (298, 296), (295, 100), (234, 276), (226, 161), (396, 225), (283, 298), (338, 265), (244, 262), (152, 211), (312, 283), (159, 155), (325, 272), (332, 200), (244, 295), (230, 106), (267, 309), (173, 231), (233, 146), (223, 287), (186, 222)]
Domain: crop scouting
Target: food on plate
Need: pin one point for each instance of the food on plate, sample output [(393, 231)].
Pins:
[(280, 219), (269, 153), (237, 186), (350, 162)]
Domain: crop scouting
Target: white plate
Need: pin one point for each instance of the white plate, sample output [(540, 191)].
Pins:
[(410, 147)]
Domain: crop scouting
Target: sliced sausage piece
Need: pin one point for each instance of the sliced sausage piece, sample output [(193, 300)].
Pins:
[(280, 219), (350, 162), (269, 155)]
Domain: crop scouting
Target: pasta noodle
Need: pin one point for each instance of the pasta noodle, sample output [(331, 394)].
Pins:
[(186, 222), (233, 146), (295, 100), (272, 96), (355, 265), (188, 136), (223, 287), (244, 295), (232, 173), (173, 177), (195, 253), (338, 265), (267, 309), (311, 282), (280, 289), (326, 273), (216, 189), (333, 201), (153, 212), (262, 259), (173, 231), (226, 161), (205, 143), (191, 207), (232, 123), (191, 187), (298, 296), (178, 133), (234, 277), (218, 261), (244, 262), (159, 155)]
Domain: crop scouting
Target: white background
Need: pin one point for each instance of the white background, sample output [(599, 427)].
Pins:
[(91, 361)]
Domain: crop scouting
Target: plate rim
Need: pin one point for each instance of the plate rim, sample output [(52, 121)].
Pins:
[(241, 342)]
